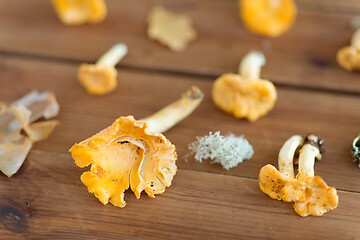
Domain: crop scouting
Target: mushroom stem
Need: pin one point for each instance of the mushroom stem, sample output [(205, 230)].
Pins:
[(113, 55), (309, 152), (169, 116), (355, 40), (250, 65), (355, 22), (286, 154)]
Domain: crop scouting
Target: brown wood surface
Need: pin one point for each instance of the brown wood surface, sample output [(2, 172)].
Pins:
[(46, 199), (305, 56), (197, 206)]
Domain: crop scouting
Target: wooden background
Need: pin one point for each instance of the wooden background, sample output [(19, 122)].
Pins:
[(46, 200)]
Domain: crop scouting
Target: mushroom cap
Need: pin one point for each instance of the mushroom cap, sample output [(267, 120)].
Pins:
[(268, 17), (97, 79), (271, 181), (311, 195), (126, 155), (77, 12), (348, 58), (242, 98)]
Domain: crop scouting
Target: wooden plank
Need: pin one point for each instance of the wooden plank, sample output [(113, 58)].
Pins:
[(48, 201), (305, 56), (323, 6), (330, 5), (335, 117)]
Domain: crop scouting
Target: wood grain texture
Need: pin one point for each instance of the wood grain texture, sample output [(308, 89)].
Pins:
[(345, 6), (334, 117), (46, 200), (59, 207), (305, 56)]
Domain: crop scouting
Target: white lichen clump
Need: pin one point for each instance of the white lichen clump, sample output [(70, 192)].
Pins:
[(228, 151)]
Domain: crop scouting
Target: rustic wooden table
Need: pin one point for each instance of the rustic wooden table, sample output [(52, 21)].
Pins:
[(46, 200)]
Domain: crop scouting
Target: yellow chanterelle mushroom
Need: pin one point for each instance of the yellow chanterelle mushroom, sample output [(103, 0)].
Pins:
[(133, 153), (271, 181), (77, 12), (348, 57), (245, 95), (268, 17), (100, 78), (309, 193)]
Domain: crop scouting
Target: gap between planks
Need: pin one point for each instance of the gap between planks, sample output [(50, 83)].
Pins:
[(200, 76)]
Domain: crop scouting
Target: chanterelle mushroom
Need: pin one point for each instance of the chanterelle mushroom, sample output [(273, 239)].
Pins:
[(133, 153), (268, 17), (100, 78), (271, 181), (311, 195), (348, 57), (77, 12), (245, 95)]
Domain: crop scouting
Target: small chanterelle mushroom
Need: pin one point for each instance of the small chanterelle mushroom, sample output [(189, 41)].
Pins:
[(268, 17), (245, 95), (348, 57), (77, 12), (133, 153), (100, 78), (309, 193)]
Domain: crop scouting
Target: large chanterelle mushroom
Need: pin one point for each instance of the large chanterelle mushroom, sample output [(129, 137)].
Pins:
[(133, 153), (268, 17), (309, 193)]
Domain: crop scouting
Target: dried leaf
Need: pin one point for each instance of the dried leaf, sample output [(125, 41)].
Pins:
[(41, 105), (3, 107), (172, 30), (41, 130), (14, 147), (36, 131), (13, 154)]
